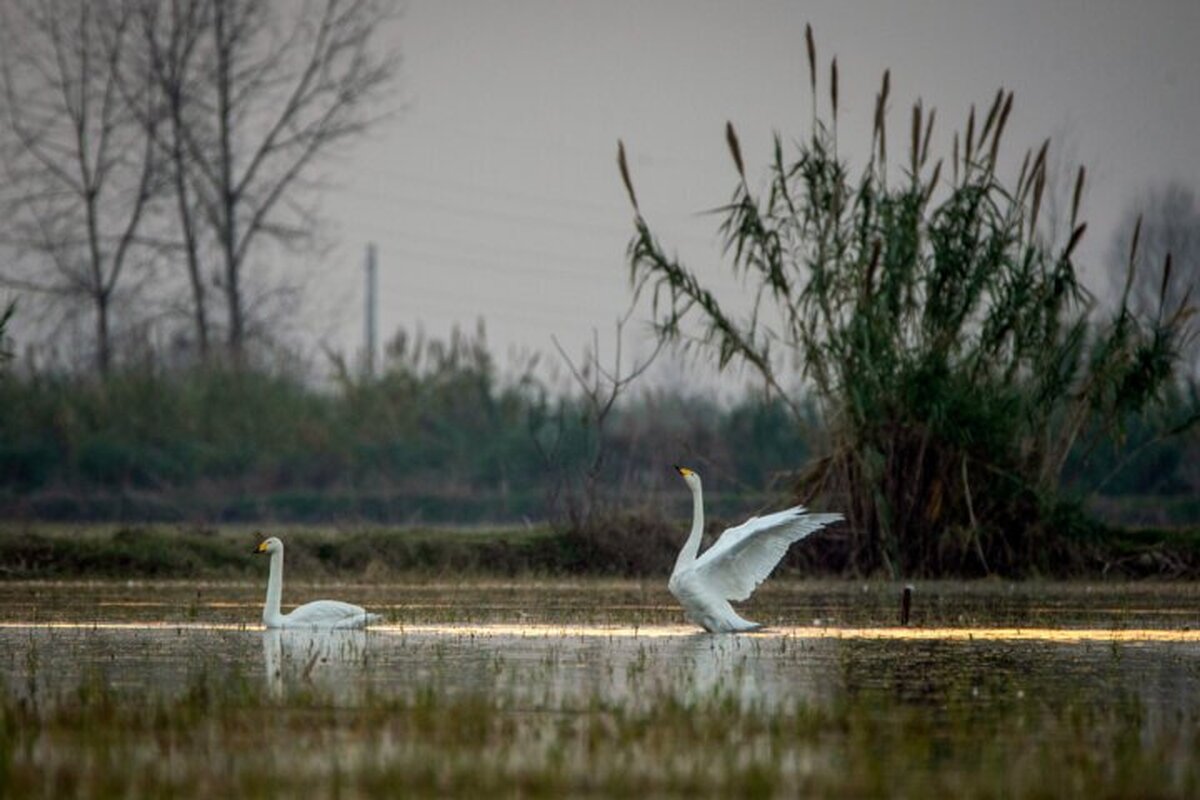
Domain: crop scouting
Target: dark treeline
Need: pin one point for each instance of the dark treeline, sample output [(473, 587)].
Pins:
[(439, 436)]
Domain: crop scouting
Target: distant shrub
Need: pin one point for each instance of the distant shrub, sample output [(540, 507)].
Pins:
[(955, 359), (437, 436)]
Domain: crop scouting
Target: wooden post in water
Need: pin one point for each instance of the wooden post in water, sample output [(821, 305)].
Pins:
[(906, 603)]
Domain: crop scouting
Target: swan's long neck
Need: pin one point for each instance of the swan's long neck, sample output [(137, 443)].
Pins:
[(692, 546), (274, 588)]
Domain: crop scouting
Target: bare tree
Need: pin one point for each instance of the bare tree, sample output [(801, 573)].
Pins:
[(1166, 259), (79, 167), (6, 314), (275, 86), (171, 47), (600, 388)]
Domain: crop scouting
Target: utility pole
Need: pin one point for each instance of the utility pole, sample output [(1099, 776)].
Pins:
[(369, 354)]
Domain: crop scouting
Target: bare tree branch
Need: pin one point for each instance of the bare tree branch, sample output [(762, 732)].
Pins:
[(84, 173)]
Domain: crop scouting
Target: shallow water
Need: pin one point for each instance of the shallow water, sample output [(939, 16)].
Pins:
[(550, 667), (550, 644), (786, 603), (487, 688)]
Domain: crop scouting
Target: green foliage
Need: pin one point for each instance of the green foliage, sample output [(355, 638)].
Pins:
[(770, 441), (438, 436), (449, 427), (955, 357)]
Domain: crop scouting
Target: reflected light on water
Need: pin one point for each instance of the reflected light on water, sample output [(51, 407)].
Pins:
[(1064, 635), (536, 631), (159, 604), (133, 626)]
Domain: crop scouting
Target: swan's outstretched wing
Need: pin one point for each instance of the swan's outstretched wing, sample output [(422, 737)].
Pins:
[(744, 556)]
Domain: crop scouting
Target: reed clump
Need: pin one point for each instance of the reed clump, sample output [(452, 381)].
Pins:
[(955, 356)]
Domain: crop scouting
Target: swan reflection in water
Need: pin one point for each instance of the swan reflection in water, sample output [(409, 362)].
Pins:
[(329, 660), (748, 671)]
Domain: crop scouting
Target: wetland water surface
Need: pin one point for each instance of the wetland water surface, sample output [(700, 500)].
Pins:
[(995, 673)]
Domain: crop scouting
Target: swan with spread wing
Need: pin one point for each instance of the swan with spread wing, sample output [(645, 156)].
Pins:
[(321, 614), (736, 564)]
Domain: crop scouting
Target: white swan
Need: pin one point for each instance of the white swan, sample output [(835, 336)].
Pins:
[(736, 564), (317, 614)]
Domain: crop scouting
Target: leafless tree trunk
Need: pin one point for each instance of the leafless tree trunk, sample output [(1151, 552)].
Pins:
[(230, 102), (600, 388), (6, 314), (172, 38), (287, 83), (80, 168)]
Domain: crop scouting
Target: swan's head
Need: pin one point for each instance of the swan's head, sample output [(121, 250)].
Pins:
[(691, 476), (272, 545)]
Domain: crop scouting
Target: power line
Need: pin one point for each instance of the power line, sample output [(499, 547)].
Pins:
[(426, 297), (488, 255), (502, 216), (499, 270), (404, 177), (542, 220), (538, 147)]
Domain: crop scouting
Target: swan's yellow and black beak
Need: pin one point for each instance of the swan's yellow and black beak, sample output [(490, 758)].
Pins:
[(684, 471), (262, 548)]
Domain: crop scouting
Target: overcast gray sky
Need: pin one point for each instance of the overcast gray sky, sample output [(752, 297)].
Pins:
[(494, 193)]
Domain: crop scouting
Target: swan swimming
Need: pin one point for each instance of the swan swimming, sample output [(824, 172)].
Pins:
[(317, 614), (736, 564)]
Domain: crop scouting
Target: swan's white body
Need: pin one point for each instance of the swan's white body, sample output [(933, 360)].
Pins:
[(736, 564), (317, 614)]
